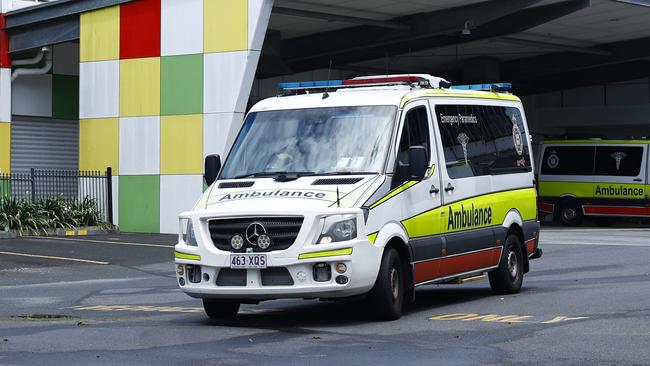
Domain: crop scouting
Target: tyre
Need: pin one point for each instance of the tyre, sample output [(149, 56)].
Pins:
[(570, 214), (508, 277), (221, 308), (387, 296)]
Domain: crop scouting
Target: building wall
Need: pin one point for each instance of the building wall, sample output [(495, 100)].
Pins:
[(5, 93), (163, 83), (617, 110), (52, 95)]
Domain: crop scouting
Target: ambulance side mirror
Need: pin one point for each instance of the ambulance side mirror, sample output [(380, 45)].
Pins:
[(212, 168), (418, 162)]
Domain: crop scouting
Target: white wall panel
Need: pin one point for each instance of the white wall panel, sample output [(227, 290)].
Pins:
[(5, 95), (178, 193), (259, 13), (66, 59), (219, 132), (139, 145), (228, 78), (32, 96), (99, 95), (182, 27)]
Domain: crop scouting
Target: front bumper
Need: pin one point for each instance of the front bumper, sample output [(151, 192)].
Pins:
[(361, 258)]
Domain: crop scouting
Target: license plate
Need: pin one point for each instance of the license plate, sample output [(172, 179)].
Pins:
[(248, 261)]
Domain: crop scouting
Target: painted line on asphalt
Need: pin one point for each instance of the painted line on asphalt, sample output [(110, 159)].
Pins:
[(105, 242), (591, 229), (509, 319), (74, 283), (53, 257), (543, 242), (158, 309)]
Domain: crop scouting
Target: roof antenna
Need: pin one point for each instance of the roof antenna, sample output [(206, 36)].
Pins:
[(326, 94), (338, 199)]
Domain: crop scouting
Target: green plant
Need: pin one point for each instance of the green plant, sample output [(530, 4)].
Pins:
[(51, 213), (58, 213), (86, 213), (21, 216)]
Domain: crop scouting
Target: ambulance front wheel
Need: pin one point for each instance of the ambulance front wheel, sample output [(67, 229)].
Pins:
[(221, 308), (387, 296), (570, 213), (509, 276)]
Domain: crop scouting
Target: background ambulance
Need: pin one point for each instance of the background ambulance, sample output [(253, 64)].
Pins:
[(600, 179), (364, 187)]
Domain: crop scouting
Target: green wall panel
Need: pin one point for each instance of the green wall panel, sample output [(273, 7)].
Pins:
[(139, 203), (65, 96), (181, 85), (5, 188)]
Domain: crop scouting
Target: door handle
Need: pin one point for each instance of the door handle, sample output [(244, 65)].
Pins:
[(449, 188), (434, 189), (638, 180)]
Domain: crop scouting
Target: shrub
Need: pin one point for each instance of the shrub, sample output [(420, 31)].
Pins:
[(25, 217)]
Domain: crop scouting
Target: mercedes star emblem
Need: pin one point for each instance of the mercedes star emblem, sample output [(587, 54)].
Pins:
[(254, 231)]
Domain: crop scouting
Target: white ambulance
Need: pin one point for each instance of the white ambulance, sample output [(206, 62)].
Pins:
[(602, 180), (367, 187)]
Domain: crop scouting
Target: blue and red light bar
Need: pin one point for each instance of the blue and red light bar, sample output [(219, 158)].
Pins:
[(495, 87), (351, 82)]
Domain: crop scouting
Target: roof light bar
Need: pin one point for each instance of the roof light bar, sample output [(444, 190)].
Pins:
[(493, 87), (366, 81)]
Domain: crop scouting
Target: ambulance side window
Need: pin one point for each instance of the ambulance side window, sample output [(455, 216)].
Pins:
[(620, 161), (483, 140), (415, 132), (568, 160)]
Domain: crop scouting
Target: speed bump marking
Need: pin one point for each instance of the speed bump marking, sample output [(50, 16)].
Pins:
[(496, 318)]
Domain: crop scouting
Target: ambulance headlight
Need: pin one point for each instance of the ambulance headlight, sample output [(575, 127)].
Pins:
[(338, 228), (190, 237)]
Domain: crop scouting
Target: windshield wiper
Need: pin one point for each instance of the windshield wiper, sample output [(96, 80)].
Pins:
[(342, 173), (283, 176)]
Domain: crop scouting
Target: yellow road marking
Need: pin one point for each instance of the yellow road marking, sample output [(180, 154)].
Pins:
[(105, 242), (496, 318), (159, 309), (52, 257)]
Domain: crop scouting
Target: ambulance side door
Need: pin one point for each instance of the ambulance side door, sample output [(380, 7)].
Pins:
[(465, 136), (421, 197)]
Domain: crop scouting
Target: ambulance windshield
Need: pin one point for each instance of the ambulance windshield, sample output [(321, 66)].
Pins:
[(337, 140)]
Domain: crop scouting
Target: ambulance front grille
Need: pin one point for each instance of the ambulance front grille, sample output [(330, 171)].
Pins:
[(282, 231)]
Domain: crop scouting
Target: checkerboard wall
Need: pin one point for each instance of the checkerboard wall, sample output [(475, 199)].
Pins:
[(162, 84)]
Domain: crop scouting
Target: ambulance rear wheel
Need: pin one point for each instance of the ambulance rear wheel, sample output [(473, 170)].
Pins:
[(387, 296), (221, 308), (570, 213), (509, 276)]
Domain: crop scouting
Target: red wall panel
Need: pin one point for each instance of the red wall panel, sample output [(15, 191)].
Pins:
[(140, 29), (5, 60)]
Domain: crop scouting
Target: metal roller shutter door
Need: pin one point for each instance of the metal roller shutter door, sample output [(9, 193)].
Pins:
[(44, 143)]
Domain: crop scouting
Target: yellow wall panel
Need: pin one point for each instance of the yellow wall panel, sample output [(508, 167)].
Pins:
[(140, 87), (5, 148), (226, 25), (181, 144), (98, 144), (100, 35)]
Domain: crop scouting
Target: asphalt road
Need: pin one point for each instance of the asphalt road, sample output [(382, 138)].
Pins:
[(584, 303)]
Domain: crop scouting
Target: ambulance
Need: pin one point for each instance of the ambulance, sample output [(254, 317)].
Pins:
[(364, 189), (602, 180)]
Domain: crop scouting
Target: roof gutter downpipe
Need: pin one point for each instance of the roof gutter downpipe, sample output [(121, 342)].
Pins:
[(43, 53)]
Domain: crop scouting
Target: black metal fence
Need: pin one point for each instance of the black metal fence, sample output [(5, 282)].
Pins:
[(68, 185)]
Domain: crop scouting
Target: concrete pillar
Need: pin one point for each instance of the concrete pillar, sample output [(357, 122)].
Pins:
[(163, 83)]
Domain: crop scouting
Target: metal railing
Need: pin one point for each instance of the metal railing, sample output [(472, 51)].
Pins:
[(67, 185)]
